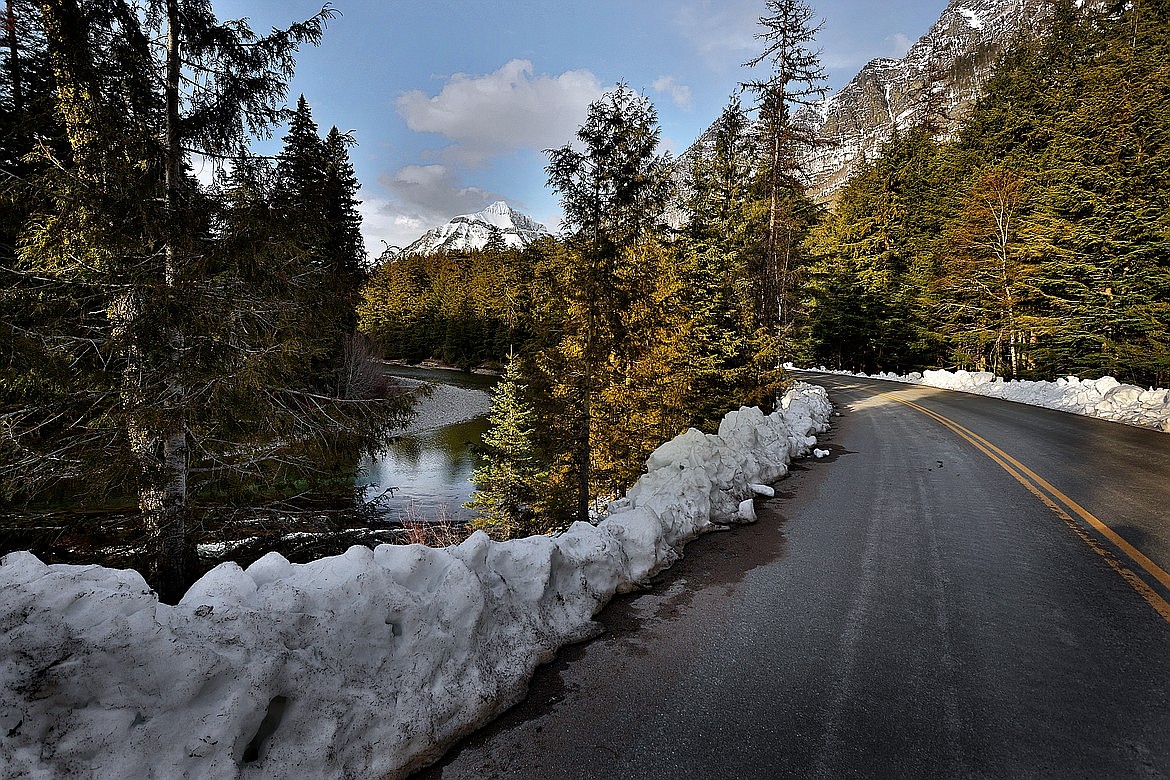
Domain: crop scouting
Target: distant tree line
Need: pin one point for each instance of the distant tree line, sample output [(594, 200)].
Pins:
[(1032, 244), (163, 341), (186, 346)]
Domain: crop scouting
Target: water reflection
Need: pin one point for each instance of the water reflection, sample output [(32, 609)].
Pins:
[(444, 376), (430, 474), (425, 477)]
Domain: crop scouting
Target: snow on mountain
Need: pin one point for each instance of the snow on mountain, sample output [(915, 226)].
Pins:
[(473, 231), (942, 74)]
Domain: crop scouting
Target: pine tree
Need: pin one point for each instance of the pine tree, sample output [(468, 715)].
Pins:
[(873, 262), (614, 190), (316, 198), (511, 480), (167, 360), (712, 254), (796, 79)]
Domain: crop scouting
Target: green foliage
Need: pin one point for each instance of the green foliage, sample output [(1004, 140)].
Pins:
[(868, 286), (713, 255), (158, 337), (1036, 242), (510, 484), (467, 309), (795, 79), (614, 187)]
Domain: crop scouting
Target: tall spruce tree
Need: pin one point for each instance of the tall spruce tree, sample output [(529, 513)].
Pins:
[(795, 79), (614, 187), (161, 355), (316, 198), (719, 237)]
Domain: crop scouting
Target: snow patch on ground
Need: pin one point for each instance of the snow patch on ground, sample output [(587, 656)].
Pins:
[(1105, 398), (366, 664)]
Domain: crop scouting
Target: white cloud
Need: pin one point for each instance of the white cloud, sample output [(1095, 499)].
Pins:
[(680, 94), (421, 197), (722, 31), (490, 115), (899, 44)]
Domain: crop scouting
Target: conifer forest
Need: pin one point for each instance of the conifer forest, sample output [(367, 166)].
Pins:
[(182, 350)]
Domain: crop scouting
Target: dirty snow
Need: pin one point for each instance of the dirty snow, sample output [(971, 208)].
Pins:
[(366, 664), (1105, 398)]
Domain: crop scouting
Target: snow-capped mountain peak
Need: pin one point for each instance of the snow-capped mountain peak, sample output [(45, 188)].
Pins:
[(468, 232)]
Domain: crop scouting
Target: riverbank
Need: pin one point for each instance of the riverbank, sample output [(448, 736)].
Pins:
[(364, 664), (438, 365), (440, 405)]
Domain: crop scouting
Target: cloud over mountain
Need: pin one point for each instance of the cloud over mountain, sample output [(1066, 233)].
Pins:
[(487, 116)]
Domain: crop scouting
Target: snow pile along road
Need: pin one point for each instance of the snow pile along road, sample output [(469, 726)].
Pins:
[(1105, 397), (366, 664)]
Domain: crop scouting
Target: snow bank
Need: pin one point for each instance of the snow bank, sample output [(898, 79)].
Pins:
[(365, 664), (1105, 397)]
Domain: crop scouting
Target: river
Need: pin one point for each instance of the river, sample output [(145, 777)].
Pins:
[(424, 474)]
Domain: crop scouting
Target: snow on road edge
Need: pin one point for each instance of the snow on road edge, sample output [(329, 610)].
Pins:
[(1105, 398), (364, 664)]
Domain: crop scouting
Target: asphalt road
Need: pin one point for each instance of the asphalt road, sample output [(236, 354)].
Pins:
[(906, 607)]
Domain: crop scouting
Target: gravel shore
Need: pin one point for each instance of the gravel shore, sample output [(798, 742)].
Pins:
[(443, 405)]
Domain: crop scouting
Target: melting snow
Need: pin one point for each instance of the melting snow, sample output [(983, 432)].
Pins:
[(1105, 398), (365, 664)]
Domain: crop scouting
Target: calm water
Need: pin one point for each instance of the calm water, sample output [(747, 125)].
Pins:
[(427, 477), (430, 475)]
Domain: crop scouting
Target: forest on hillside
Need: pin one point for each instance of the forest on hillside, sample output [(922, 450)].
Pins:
[(184, 348), (1033, 242)]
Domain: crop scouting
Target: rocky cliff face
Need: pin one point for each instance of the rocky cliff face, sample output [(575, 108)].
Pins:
[(473, 231), (942, 74), (939, 77)]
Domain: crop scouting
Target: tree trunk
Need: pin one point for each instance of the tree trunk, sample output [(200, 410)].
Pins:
[(14, 62), (584, 434), (164, 454)]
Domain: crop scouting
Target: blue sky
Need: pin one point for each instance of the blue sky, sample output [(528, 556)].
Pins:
[(452, 101)]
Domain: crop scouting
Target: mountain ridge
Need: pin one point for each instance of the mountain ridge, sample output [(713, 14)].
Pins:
[(467, 232), (942, 74)]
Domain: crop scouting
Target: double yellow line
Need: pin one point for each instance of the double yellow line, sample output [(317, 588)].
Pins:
[(1065, 508)]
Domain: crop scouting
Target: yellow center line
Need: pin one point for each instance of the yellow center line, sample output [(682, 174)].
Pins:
[(1053, 499)]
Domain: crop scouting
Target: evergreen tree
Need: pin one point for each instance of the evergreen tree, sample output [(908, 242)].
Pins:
[(713, 253), (1035, 243), (871, 279), (795, 79), (316, 198), (168, 366), (511, 480), (614, 188)]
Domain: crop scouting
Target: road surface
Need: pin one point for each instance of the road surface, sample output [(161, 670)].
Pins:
[(932, 600)]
